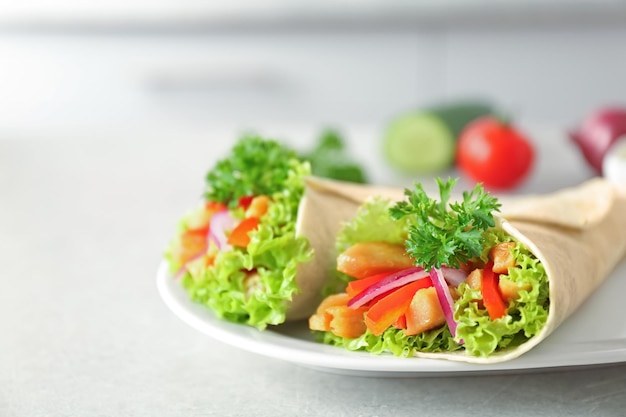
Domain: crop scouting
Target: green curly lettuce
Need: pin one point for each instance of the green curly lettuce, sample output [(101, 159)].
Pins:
[(372, 222), (395, 341)]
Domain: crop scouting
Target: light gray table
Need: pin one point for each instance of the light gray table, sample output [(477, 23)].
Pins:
[(83, 331)]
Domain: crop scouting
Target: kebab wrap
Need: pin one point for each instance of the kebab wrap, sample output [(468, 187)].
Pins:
[(237, 252), (552, 252)]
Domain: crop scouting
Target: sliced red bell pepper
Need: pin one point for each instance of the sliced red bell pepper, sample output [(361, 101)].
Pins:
[(358, 285), (240, 235), (492, 298), (245, 201), (387, 310), (214, 207), (401, 322)]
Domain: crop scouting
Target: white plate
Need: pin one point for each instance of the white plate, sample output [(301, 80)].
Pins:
[(594, 335)]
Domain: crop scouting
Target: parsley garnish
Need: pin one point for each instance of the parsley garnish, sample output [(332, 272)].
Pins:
[(442, 233), (330, 159), (256, 166)]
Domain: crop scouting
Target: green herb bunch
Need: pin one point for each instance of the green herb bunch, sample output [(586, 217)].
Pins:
[(443, 233)]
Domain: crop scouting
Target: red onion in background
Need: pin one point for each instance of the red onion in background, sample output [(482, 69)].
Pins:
[(598, 132)]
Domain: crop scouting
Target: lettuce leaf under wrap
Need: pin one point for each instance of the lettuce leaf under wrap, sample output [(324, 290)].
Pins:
[(525, 317), (480, 335)]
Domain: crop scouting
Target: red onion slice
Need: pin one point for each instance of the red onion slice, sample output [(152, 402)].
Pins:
[(389, 283), (221, 222), (453, 276), (444, 297)]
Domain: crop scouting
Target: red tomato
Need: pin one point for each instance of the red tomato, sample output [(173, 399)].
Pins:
[(495, 153)]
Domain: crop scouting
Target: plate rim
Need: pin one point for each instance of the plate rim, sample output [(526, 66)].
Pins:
[(280, 343)]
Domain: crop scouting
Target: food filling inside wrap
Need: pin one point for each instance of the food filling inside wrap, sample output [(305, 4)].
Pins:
[(238, 253), (429, 276)]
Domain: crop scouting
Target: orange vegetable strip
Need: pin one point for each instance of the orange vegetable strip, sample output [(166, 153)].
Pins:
[(258, 206), (193, 244), (387, 311), (239, 236)]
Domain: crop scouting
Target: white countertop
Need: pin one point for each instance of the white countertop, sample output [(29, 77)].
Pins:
[(83, 222)]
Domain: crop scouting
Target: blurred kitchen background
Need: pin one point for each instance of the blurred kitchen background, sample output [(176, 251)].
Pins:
[(187, 67)]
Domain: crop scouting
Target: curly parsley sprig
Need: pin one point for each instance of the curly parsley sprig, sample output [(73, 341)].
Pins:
[(442, 233), (256, 166)]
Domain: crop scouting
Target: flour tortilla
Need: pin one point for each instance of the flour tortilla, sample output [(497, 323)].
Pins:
[(325, 206), (579, 234)]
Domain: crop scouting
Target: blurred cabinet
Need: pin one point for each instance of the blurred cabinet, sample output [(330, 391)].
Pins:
[(95, 79), (551, 75), (242, 77)]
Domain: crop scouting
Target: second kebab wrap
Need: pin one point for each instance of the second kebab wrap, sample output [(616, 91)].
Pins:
[(460, 281)]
